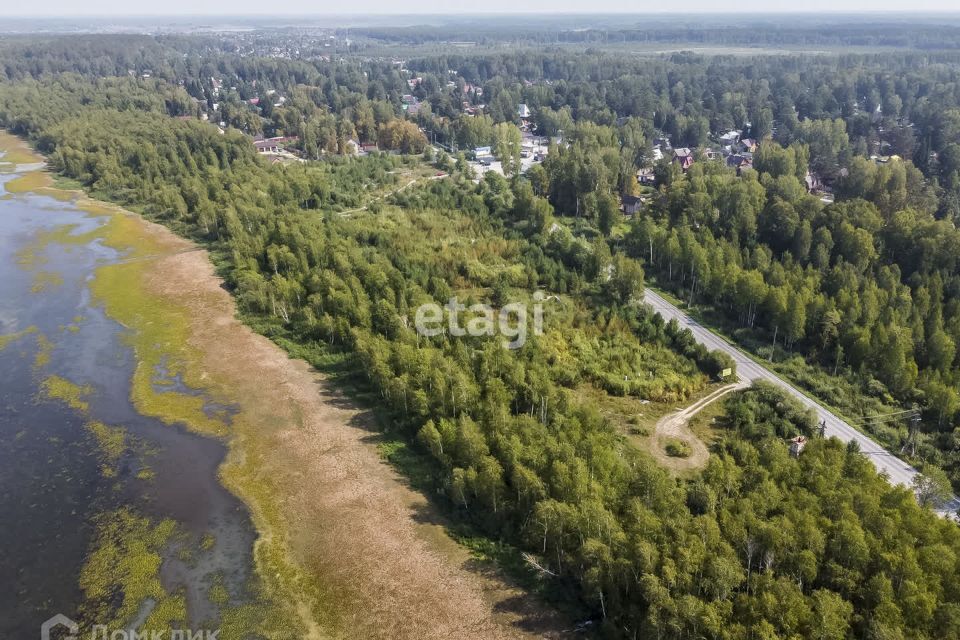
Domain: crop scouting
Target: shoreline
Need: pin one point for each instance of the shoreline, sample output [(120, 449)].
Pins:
[(342, 540)]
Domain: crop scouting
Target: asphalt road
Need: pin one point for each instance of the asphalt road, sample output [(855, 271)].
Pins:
[(749, 370)]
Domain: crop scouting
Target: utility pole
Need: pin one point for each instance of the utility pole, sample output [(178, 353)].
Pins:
[(913, 427)]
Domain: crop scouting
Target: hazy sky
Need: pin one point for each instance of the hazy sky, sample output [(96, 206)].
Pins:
[(262, 7)]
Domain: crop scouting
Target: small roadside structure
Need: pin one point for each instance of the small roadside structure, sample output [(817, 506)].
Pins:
[(796, 445)]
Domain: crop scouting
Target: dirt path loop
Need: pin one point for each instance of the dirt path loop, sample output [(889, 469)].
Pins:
[(673, 426)]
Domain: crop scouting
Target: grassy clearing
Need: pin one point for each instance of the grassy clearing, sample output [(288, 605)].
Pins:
[(633, 417), (707, 424)]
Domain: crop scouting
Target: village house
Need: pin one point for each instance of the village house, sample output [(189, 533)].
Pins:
[(813, 183), (729, 138), (684, 157), (272, 145), (266, 146), (739, 162), (631, 204), (646, 176)]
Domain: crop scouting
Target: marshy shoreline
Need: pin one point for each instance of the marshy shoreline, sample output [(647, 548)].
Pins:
[(344, 548)]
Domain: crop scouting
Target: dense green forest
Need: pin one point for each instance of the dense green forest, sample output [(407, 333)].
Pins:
[(758, 545)]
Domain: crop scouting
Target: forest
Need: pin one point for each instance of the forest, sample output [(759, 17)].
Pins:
[(757, 545)]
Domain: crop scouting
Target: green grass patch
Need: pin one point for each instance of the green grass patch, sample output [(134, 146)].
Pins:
[(27, 182), (677, 448)]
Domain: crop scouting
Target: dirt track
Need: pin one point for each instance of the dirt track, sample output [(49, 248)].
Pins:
[(674, 426)]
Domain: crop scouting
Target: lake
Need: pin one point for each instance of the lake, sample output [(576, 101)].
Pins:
[(81, 471)]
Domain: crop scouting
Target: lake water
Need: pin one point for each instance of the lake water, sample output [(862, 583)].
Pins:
[(52, 487)]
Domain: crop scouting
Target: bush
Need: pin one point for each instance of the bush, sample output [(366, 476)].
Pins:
[(715, 362), (678, 449)]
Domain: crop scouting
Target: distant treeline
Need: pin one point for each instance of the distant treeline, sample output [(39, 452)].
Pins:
[(749, 34)]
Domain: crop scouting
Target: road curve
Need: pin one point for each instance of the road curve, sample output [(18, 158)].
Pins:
[(750, 371)]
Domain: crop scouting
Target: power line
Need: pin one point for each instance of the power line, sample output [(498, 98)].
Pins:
[(867, 419)]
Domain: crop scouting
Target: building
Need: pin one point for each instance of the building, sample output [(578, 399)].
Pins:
[(796, 445), (523, 111), (813, 183), (646, 176), (272, 145), (730, 137), (632, 204), (739, 162), (266, 146), (684, 157), (351, 147)]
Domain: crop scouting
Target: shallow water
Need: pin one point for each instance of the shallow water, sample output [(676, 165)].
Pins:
[(51, 484)]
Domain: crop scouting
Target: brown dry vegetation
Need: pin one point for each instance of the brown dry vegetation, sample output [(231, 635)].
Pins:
[(376, 561)]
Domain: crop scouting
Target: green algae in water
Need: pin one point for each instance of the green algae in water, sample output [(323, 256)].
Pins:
[(44, 351), (31, 256), (71, 394), (122, 572), (218, 593), (160, 336), (208, 541), (45, 280), (10, 338), (112, 442), (27, 182)]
